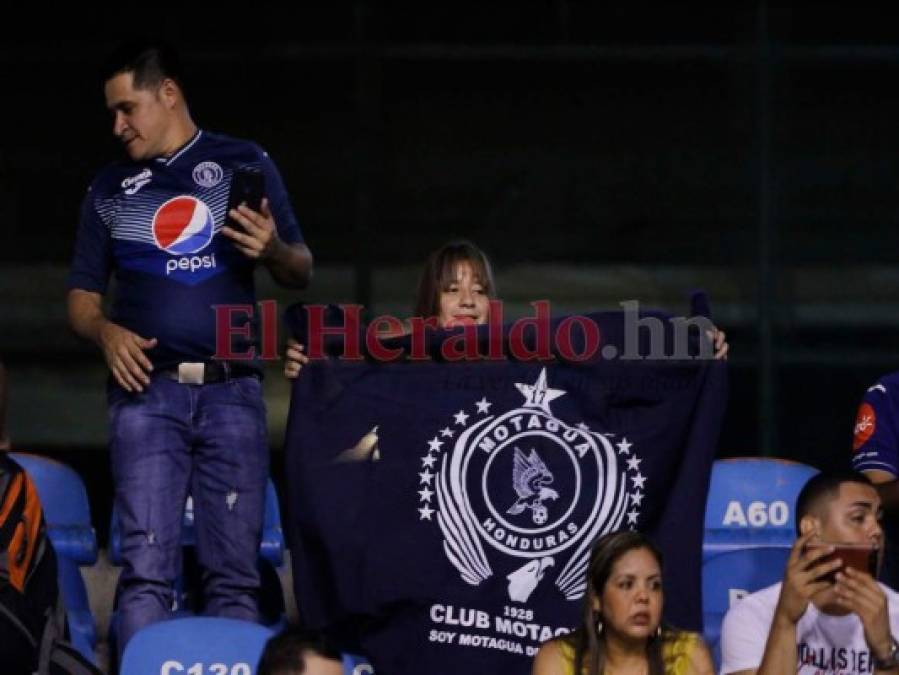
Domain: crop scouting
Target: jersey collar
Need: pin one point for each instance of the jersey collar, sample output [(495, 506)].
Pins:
[(168, 161)]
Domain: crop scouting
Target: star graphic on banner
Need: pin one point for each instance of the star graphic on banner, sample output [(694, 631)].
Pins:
[(639, 480), (434, 445), (631, 517), (483, 406), (461, 417), (426, 513), (426, 495), (637, 499), (634, 463), (583, 427), (624, 448), (446, 432), (426, 477), (428, 461), (539, 395)]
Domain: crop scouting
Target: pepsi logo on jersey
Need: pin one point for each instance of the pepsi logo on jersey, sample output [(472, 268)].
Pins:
[(183, 226)]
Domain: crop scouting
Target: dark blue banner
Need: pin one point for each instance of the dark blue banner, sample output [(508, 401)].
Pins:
[(442, 513)]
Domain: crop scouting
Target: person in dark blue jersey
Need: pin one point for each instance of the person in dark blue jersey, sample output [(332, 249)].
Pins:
[(875, 452), (181, 421)]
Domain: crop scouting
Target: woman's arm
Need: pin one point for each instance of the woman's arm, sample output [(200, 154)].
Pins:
[(551, 661), (700, 660)]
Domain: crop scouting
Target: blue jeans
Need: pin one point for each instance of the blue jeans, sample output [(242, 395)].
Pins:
[(178, 439)]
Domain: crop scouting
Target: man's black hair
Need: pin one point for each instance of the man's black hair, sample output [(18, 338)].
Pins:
[(285, 653), (824, 485), (150, 61)]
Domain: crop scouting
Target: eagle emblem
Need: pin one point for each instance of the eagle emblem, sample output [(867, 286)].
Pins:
[(530, 476)]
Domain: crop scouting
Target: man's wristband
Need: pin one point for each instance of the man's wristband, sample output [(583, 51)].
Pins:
[(889, 662)]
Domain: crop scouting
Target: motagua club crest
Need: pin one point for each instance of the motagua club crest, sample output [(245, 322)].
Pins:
[(527, 487)]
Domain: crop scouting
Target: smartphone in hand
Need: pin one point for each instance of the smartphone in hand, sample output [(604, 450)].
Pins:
[(247, 187), (861, 557)]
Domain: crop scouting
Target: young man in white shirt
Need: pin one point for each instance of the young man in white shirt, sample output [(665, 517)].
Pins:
[(812, 623)]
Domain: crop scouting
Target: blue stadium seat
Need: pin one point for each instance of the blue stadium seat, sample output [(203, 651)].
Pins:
[(271, 548), (66, 508), (751, 502), (67, 514), (271, 555), (178, 645), (727, 577), (82, 627)]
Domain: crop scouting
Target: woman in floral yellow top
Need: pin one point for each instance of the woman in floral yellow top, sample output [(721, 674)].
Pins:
[(621, 632)]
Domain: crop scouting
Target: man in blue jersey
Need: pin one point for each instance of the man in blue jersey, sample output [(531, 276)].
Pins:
[(875, 447), (181, 422)]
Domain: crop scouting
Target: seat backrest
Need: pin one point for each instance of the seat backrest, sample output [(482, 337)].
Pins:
[(66, 508), (728, 577), (751, 502), (177, 646), (272, 545), (62, 492)]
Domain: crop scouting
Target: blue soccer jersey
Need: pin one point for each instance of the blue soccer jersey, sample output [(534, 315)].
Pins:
[(155, 225), (874, 442), (874, 446)]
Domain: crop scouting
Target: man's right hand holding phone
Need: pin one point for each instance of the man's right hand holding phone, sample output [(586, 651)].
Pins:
[(803, 578)]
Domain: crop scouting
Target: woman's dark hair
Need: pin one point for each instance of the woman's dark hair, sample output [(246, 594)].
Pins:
[(440, 270), (589, 646)]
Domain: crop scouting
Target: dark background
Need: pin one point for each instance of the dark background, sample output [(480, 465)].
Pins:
[(599, 152)]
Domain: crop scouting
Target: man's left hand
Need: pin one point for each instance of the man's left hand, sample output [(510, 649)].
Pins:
[(860, 593), (259, 237)]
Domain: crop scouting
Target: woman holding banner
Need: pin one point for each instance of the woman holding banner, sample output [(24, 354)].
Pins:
[(456, 286)]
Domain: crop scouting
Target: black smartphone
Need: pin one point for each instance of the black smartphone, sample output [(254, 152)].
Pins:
[(247, 187)]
